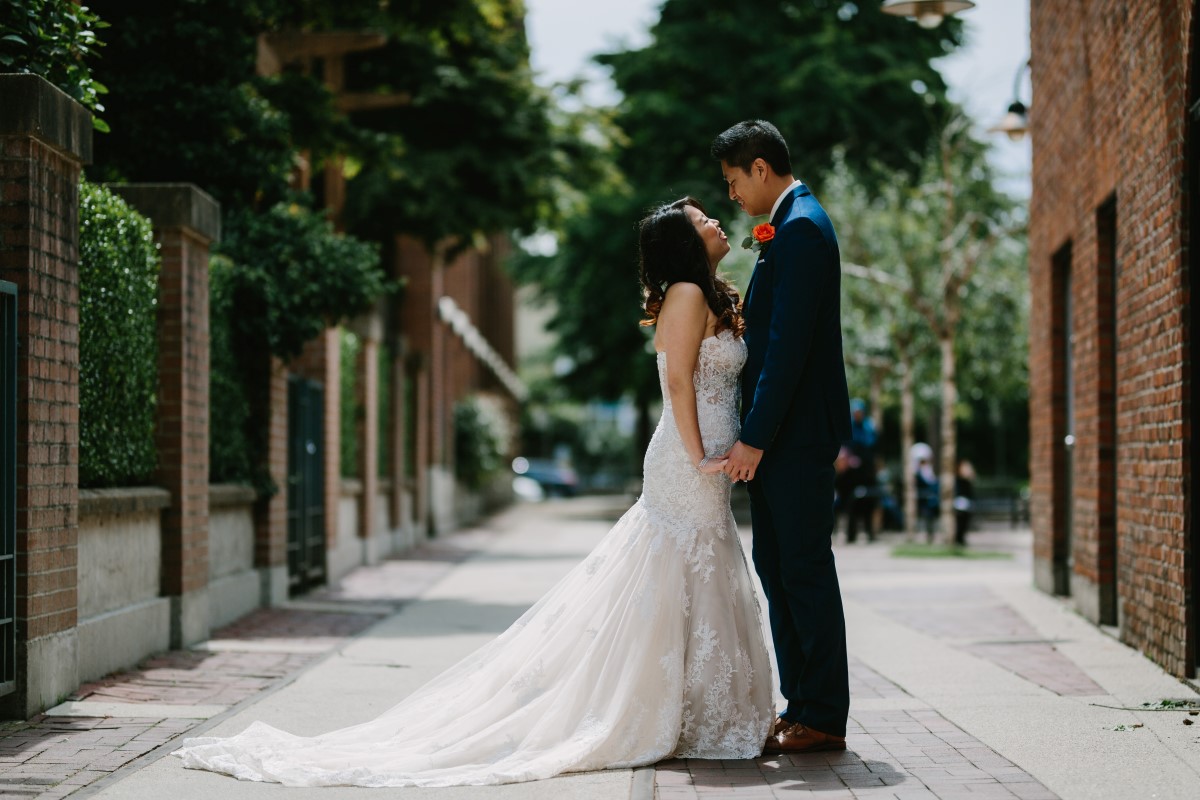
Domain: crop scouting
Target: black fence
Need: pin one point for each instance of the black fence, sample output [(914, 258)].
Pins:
[(306, 485)]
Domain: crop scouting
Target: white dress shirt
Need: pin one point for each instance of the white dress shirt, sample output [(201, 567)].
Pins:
[(784, 194)]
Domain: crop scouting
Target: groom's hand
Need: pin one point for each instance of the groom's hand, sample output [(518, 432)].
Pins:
[(742, 462)]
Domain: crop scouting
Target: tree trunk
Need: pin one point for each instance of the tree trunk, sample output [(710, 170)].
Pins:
[(875, 396), (949, 439), (907, 440)]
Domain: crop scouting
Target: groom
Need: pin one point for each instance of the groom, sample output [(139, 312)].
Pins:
[(795, 415)]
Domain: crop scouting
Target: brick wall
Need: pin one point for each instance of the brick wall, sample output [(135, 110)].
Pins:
[(186, 222), (270, 514), (1108, 124), (367, 387), (437, 359), (44, 138), (413, 265)]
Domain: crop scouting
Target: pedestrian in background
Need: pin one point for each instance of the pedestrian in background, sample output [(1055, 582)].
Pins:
[(964, 496), (858, 489), (927, 487)]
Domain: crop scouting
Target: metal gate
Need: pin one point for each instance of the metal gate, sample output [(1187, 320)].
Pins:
[(305, 485), (8, 487)]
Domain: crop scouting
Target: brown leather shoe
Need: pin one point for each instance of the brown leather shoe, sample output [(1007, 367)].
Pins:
[(777, 728), (799, 738)]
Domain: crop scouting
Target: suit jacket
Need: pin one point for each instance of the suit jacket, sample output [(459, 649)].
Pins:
[(794, 392)]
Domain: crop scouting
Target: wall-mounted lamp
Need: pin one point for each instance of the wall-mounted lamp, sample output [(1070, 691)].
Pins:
[(928, 13), (1015, 123)]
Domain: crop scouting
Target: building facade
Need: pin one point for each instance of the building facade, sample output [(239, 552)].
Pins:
[(1114, 206), (92, 581)]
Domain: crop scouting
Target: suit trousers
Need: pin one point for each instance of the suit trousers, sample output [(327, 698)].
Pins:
[(792, 513)]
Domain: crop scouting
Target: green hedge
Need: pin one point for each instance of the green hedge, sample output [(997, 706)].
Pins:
[(295, 276), (480, 440), (118, 345), (351, 410), (279, 278), (233, 440)]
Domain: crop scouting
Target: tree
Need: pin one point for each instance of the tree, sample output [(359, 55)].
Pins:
[(881, 329), (478, 150), (828, 74), (934, 249)]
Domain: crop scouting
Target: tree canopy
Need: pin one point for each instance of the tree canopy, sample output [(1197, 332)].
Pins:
[(470, 151), (828, 74)]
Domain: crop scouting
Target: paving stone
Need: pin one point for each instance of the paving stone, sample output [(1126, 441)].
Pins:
[(912, 754)]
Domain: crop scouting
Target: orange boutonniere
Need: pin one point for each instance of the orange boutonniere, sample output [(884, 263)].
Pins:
[(760, 237)]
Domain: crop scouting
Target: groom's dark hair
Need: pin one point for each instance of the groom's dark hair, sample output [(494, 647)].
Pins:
[(751, 139)]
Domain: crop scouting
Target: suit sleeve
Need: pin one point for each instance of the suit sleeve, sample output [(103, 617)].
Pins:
[(800, 280)]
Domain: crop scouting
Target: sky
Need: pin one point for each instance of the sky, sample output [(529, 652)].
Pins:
[(563, 34)]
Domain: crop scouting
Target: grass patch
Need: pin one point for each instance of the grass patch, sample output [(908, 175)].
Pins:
[(943, 551)]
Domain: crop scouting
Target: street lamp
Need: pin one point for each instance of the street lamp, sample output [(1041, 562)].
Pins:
[(928, 13), (1015, 123)]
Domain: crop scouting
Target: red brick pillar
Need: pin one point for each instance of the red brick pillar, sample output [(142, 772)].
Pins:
[(417, 321), (270, 513), (368, 435), (423, 437), (186, 222), (439, 372), (398, 433), (45, 138)]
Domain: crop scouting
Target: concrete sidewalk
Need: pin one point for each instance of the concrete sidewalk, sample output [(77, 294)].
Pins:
[(966, 682)]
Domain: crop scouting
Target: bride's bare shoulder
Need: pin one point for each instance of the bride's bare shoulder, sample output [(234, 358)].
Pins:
[(684, 294), (685, 289)]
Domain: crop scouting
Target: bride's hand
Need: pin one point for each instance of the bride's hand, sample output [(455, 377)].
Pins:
[(711, 466)]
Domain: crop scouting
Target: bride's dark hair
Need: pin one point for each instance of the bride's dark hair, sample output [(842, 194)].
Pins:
[(670, 250)]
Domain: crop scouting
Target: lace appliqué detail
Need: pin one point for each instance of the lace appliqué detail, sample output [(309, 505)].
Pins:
[(690, 507)]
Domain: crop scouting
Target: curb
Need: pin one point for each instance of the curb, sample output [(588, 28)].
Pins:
[(642, 787)]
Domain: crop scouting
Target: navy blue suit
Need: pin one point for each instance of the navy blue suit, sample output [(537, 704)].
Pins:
[(796, 408)]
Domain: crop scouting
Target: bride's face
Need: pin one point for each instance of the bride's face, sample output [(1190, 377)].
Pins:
[(715, 241)]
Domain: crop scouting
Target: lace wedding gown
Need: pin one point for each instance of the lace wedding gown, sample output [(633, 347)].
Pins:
[(651, 647)]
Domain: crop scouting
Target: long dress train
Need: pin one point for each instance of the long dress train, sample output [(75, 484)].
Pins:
[(651, 647)]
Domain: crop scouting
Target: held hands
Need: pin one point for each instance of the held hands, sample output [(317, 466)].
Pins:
[(711, 465), (741, 462)]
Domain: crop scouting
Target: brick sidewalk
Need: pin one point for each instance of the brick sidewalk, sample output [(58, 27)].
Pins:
[(50, 757), (899, 748), (909, 754)]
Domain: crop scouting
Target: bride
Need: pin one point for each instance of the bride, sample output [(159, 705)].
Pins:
[(651, 647)]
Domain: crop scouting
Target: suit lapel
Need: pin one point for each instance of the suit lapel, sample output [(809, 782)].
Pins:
[(775, 221)]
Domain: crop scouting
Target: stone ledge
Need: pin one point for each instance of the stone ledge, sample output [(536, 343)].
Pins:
[(104, 502), (36, 108), (230, 495), (174, 205)]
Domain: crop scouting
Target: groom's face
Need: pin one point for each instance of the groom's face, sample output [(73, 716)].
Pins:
[(748, 188)]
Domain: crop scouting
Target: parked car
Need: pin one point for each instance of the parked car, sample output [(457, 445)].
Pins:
[(552, 479)]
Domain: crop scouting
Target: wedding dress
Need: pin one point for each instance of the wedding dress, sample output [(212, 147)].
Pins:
[(651, 647)]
